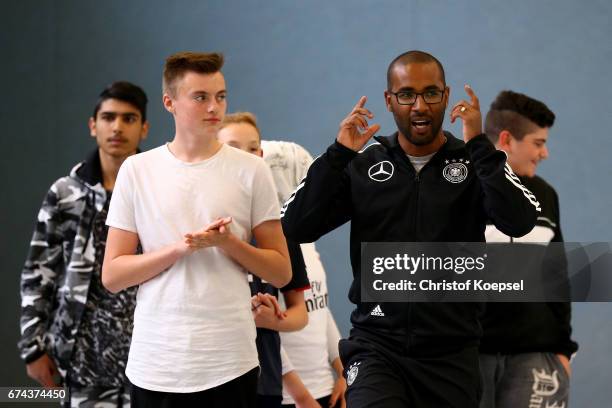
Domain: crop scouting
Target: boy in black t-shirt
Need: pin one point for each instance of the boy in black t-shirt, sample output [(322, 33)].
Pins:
[(240, 131)]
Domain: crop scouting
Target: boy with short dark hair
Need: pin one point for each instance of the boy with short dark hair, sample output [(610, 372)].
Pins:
[(69, 323), (526, 347)]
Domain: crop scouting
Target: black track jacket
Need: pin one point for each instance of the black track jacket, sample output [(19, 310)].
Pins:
[(449, 200), (512, 328)]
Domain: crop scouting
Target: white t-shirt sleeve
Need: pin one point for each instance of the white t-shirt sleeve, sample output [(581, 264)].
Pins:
[(333, 337), (303, 160), (121, 208), (265, 202), (286, 361)]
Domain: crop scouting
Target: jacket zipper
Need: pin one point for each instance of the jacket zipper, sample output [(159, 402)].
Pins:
[(417, 182), (415, 218)]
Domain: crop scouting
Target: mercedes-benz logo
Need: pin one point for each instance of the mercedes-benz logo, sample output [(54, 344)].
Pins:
[(381, 171)]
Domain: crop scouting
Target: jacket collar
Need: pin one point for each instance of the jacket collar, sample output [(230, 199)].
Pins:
[(90, 170), (392, 143)]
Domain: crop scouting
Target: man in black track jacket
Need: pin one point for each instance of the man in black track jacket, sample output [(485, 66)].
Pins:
[(526, 347), (419, 184)]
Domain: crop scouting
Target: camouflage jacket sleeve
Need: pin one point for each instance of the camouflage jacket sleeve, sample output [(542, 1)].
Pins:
[(39, 278)]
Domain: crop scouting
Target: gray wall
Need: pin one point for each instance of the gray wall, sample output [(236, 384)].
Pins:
[(301, 66)]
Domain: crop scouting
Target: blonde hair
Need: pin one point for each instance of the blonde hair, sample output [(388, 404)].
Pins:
[(241, 117)]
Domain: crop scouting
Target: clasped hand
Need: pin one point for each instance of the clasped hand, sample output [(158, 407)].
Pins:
[(267, 311), (214, 234)]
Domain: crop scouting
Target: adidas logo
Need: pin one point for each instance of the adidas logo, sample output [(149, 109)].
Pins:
[(377, 312)]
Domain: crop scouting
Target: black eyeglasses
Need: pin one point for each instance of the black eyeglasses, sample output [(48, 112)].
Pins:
[(430, 96)]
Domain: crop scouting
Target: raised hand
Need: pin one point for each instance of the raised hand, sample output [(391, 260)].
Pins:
[(354, 130), (469, 112)]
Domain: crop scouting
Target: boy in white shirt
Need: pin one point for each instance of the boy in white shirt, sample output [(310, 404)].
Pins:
[(194, 205)]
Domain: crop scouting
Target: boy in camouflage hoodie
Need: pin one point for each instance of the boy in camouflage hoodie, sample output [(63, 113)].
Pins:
[(70, 324)]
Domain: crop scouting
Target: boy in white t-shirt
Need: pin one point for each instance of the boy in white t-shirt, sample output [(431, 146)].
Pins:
[(194, 205)]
